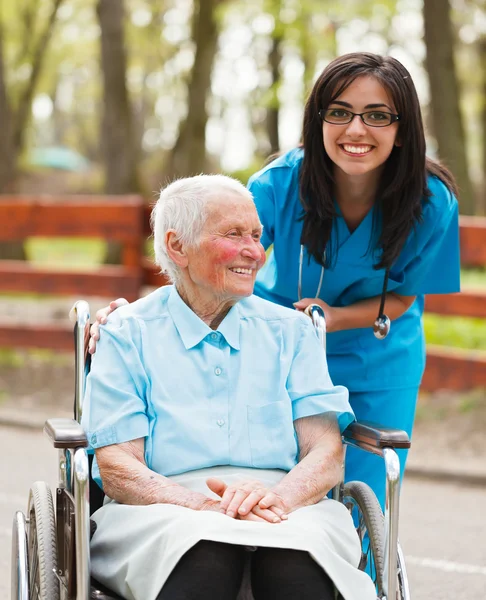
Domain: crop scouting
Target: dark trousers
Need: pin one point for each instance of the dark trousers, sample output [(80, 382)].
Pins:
[(212, 570)]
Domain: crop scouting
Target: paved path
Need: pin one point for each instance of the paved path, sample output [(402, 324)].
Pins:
[(442, 526)]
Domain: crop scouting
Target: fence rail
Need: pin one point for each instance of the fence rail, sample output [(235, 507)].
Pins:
[(125, 219)]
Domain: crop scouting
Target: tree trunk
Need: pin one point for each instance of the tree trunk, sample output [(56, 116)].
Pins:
[(188, 157), (8, 250), (273, 109), (24, 108), (482, 200), (444, 94), (7, 152), (118, 142)]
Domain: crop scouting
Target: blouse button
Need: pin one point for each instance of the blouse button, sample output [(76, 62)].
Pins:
[(214, 336), (218, 371), (220, 422)]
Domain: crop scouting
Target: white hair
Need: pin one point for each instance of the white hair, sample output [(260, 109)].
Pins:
[(182, 206)]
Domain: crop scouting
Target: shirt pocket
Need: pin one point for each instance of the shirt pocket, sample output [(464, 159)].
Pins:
[(271, 434)]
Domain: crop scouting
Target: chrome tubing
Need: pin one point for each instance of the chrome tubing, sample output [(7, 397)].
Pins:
[(19, 568), (81, 496), (316, 313), (63, 467), (403, 575), (80, 315), (392, 466)]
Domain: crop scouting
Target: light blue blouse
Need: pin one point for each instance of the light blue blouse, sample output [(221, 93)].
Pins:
[(428, 264), (203, 398)]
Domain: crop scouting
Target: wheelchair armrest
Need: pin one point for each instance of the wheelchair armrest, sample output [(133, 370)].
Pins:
[(65, 433), (373, 435)]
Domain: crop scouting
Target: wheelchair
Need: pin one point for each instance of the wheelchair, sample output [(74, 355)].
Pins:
[(50, 543)]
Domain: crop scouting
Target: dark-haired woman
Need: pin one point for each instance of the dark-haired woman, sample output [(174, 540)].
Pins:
[(359, 221)]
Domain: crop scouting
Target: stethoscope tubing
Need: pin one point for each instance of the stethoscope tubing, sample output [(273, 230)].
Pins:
[(382, 323)]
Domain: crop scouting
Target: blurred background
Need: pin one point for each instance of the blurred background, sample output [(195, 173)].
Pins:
[(117, 97), (114, 97)]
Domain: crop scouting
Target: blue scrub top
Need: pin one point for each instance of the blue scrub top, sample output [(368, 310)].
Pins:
[(203, 398), (428, 264)]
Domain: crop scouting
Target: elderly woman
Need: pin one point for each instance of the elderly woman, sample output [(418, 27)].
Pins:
[(216, 426)]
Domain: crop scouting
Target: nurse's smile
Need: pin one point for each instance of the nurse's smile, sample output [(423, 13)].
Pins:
[(356, 151)]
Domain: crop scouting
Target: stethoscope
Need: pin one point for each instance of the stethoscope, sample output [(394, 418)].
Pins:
[(382, 325)]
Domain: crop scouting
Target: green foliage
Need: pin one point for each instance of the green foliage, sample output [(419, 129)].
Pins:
[(473, 278), (244, 174), (62, 253), (459, 332), (19, 359), (11, 358)]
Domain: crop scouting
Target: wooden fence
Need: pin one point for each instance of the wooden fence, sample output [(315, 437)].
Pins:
[(125, 219)]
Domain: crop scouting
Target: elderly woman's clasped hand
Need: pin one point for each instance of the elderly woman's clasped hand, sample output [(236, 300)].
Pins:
[(248, 500)]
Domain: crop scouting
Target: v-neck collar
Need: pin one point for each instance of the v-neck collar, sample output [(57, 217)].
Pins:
[(353, 246), (344, 229)]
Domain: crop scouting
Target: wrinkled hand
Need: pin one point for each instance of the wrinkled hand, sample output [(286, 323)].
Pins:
[(248, 500), (329, 311), (101, 318)]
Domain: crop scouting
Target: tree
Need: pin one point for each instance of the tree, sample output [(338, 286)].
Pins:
[(189, 157), (444, 97), (273, 106), (15, 112), (6, 139), (482, 50), (117, 138)]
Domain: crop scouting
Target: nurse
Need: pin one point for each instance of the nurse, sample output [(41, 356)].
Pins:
[(359, 221)]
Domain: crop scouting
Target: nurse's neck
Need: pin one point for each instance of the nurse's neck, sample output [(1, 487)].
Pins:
[(355, 195)]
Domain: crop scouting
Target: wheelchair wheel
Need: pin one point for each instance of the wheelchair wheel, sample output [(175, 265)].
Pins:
[(366, 511), (41, 542)]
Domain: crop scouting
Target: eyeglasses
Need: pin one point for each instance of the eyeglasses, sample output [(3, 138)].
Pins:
[(373, 118)]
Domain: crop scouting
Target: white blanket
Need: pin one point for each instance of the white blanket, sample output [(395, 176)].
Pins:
[(135, 548)]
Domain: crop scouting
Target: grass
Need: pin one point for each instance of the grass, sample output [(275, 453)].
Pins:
[(15, 358), (460, 332), (473, 278), (443, 405), (79, 253)]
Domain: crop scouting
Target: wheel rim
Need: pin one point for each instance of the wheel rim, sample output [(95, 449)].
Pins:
[(34, 578)]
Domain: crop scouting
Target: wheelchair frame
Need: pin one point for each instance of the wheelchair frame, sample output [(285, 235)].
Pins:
[(72, 495)]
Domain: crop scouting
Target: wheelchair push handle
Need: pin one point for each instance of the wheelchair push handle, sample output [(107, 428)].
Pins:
[(79, 314), (316, 313)]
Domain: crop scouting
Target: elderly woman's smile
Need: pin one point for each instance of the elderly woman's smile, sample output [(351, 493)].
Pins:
[(221, 267)]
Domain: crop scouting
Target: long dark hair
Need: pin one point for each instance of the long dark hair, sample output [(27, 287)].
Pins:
[(404, 180)]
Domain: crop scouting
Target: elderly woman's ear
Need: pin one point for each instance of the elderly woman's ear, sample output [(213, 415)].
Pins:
[(175, 249)]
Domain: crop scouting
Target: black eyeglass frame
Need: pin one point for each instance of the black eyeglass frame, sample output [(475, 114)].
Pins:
[(394, 118)]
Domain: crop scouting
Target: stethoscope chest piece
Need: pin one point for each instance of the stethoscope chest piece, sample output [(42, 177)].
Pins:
[(382, 327)]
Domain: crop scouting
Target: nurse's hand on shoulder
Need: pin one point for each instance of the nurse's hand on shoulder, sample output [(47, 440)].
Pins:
[(242, 501), (329, 311), (101, 318)]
